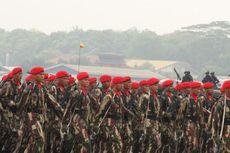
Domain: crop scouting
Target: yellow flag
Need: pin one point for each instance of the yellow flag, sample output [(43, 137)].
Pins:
[(82, 45)]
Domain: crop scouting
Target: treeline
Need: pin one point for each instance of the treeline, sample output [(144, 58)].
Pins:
[(205, 47)]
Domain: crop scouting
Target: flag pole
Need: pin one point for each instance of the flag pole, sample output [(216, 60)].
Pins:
[(79, 58)]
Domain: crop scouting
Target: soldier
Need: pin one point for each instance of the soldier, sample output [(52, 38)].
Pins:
[(72, 82), (33, 110), (134, 88), (220, 120), (215, 79), (187, 77), (77, 117), (127, 117), (105, 81), (95, 95), (191, 110), (169, 108), (59, 90), (62, 84), (51, 84), (185, 89), (139, 131), (152, 110), (137, 125), (10, 94), (96, 98), (207, 78), (92, 83), (110, 115), (208, 99)]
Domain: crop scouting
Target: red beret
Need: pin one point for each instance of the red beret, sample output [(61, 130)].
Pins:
[(185, 85), (105, 78), (71, 80), (195, 85), (9, 76), (222, 89), (92, 80), (36, 70), (152, 81), (82, 75), (135, 85), (16, 70), (167, 83), (28, 78), (226, 85), (46, 76), (4, 77), (117, 80), (62, 74), (208, 85), (143, 83), (178, 86), (51, 78), (126, 78)]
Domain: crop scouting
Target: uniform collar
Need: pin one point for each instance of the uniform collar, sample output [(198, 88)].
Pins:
[(117, 93), (154, 94), (126, 91), (210, 97), (194, 97), (169, 94)]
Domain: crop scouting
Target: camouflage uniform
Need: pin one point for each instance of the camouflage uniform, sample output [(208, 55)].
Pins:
[(55, 139), (151, 108), (169, 127), (33, 111), (221, 144), (127, 117), (139, 131), (95, 96), (77, 119), (10, 121), (192, 114), (110, 116)]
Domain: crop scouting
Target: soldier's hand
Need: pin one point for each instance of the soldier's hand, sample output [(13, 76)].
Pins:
[(11, 103)]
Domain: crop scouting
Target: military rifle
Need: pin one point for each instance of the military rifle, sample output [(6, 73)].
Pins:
[(177, 74), (223, 118)]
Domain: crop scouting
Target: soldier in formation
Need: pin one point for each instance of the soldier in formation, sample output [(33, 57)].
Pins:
[(61, 113)]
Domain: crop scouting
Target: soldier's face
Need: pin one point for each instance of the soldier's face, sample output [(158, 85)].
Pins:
[(127, 85), (39, 77), (134, 91), (209, 91), (18, 76), (187, 91), (93, 85), (171, 88), (106, 84), (84, 82), (63, 81), (118, 87), (154, 87), (196, 91), (145, 88)]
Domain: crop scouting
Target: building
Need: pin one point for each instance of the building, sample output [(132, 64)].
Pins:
[(96, 71)]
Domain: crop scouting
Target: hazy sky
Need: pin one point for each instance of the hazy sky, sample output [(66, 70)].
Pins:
[(161, 16)]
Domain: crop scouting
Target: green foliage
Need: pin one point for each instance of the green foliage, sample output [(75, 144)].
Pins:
[(205, 47)]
